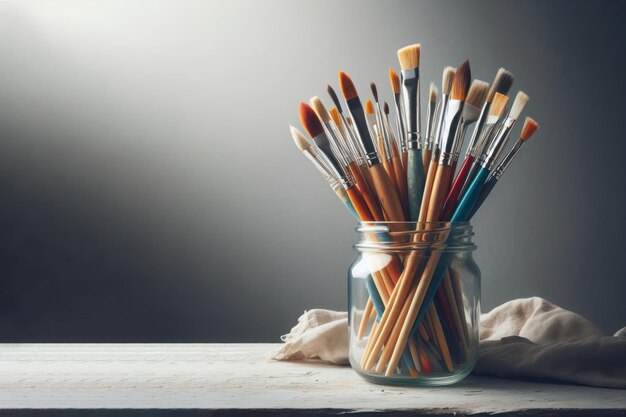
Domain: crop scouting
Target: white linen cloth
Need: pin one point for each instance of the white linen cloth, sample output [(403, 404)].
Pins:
[(523, 338)]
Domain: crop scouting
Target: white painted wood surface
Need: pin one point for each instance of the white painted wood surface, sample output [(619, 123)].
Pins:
[(227, 376)]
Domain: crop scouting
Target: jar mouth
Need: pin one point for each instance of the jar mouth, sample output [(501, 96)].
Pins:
[(411, 236)]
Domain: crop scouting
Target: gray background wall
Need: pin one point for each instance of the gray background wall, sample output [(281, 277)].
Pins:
[(150, 191)]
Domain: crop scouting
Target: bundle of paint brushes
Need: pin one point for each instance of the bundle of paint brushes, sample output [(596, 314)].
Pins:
[(408, 173)]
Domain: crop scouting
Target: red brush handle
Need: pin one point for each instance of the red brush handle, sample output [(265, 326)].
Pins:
[(454, 196)]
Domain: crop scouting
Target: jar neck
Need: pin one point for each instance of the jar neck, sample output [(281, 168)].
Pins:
[(407, 236)]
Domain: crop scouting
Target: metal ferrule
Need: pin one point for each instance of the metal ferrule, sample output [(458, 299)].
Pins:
[(400, 122), (430, 118), (410, 96), (489, 129), (472, 146), (337, 170), (469, 116), (355, 143), (358, 117), (337, 138), (490, 156), (348, 139), (321, 167), (508, 158), (441, 108), (448, 135)]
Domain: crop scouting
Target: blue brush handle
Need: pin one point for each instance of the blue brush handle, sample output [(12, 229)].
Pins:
[(380, 309), (415, 182), (464, 209), (491, 182)]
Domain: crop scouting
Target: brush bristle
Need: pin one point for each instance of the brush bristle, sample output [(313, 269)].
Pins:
[(501, 84), (395, 81), (347, 86), (299, 139), (499, 104), (320, 109), (477, 93), (448, 78), (409, 56), (530, 127), (386, 108), (369, 107), (518, 105), (432, 93), (333, 96), (461, 82), (374, 91), (309, 120), (334, 114)]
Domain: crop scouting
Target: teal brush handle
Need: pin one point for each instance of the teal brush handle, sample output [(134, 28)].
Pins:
[(464, 209), (415, 182), (491, 182)]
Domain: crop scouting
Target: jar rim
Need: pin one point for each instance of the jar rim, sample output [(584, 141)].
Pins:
[(402, 236)]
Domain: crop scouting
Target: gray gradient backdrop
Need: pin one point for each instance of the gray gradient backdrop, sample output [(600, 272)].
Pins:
[(150, 191)]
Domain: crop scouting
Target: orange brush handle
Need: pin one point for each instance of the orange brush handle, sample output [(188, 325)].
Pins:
[(364, 189), (441, 185), (359, 205), (387, 195)]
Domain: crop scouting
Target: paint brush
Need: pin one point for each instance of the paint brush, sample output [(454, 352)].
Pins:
[(314, 127), (359, 170), (409, 58), (338, 145), (430, 121), (370, 115), (501, 84), (496, 113), (311, 154), (394, 79), (482, 132), (376, 132), (452, 116), (351, 134), (476, 97), (489, 158), (529, 129), (386, 149), (350, 164), (387, 195), (396, 161), (446, 88)]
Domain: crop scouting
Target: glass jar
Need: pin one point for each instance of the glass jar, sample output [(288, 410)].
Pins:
[(414, 303)]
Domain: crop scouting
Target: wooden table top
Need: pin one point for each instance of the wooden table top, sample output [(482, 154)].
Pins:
[(233, 379)]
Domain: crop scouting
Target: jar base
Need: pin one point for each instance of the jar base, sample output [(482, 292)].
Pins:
[(423, 381)]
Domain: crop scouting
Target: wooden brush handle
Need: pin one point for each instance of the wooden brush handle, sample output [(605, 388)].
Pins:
[(359, 205), (426, 156), (364, 189), (428, 189), (441, 186), (387, 195), (400, 179)]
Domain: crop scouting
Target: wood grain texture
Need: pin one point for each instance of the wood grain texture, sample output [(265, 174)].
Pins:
[(231, 378), (387, 195)]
